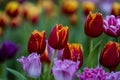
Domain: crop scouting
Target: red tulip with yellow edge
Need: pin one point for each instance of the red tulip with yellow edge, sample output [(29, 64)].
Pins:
[(15, 22), (33, 14), (69, 6), (73, 52), (12, 8), (110, 55), (93, 25), (37, 42), (4, 20), (44, 57), (73, 19), (58, 37), (115, 9), (88, 6)]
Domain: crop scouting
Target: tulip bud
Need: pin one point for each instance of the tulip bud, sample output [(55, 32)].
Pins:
[(37, 42), (115, 9), (94, 25), (69, 6), (87, 7), (58, 37), (110, 55), (73, 52), (31, 65), (12, 9)]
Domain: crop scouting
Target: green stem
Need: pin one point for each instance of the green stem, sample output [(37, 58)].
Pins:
[(2, 71), (90, 53), (51, 64), (91, 45)]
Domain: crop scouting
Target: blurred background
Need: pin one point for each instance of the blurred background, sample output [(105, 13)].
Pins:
[(18, 18)]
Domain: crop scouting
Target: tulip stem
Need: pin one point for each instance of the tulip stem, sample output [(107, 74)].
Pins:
[(51, 64), (2, 71), (90, 53), (91, 45)]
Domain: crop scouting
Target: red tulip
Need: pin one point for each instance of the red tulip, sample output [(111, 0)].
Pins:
[(12, 9), (73, 52), (58, 37), (94, 25), (37, 42), (110, 56)]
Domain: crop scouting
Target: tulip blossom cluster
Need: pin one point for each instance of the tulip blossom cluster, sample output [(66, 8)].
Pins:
[(68, 56), (64, 59)]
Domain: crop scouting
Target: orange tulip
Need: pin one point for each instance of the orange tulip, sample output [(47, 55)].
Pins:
[(115, 9), (58, 37), (12, 8), (110, 55), (73, 52), (93, 25), (69, 6), (37, 42)]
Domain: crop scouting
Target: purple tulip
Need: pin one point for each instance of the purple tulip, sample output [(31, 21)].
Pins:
[(113, 76), (31, 65), (64, 70), (93, 74), (8, 50), (112, 26), (51, 51)]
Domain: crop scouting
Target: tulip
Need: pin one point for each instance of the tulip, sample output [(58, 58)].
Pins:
[(64, 70), (73, 52), (44, 58), (110, 55), (115, 9), (97, 73), (33, 14), (88, 6), (58, 37), (37, 42), (73, 19), (48, 7), (8, 50), (31, 65), (15, 22), (93, 25), (3, 20), (12, 8), (69, 6), (112, 26)]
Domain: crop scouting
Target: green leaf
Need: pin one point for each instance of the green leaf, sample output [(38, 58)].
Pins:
[(17, 74)]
